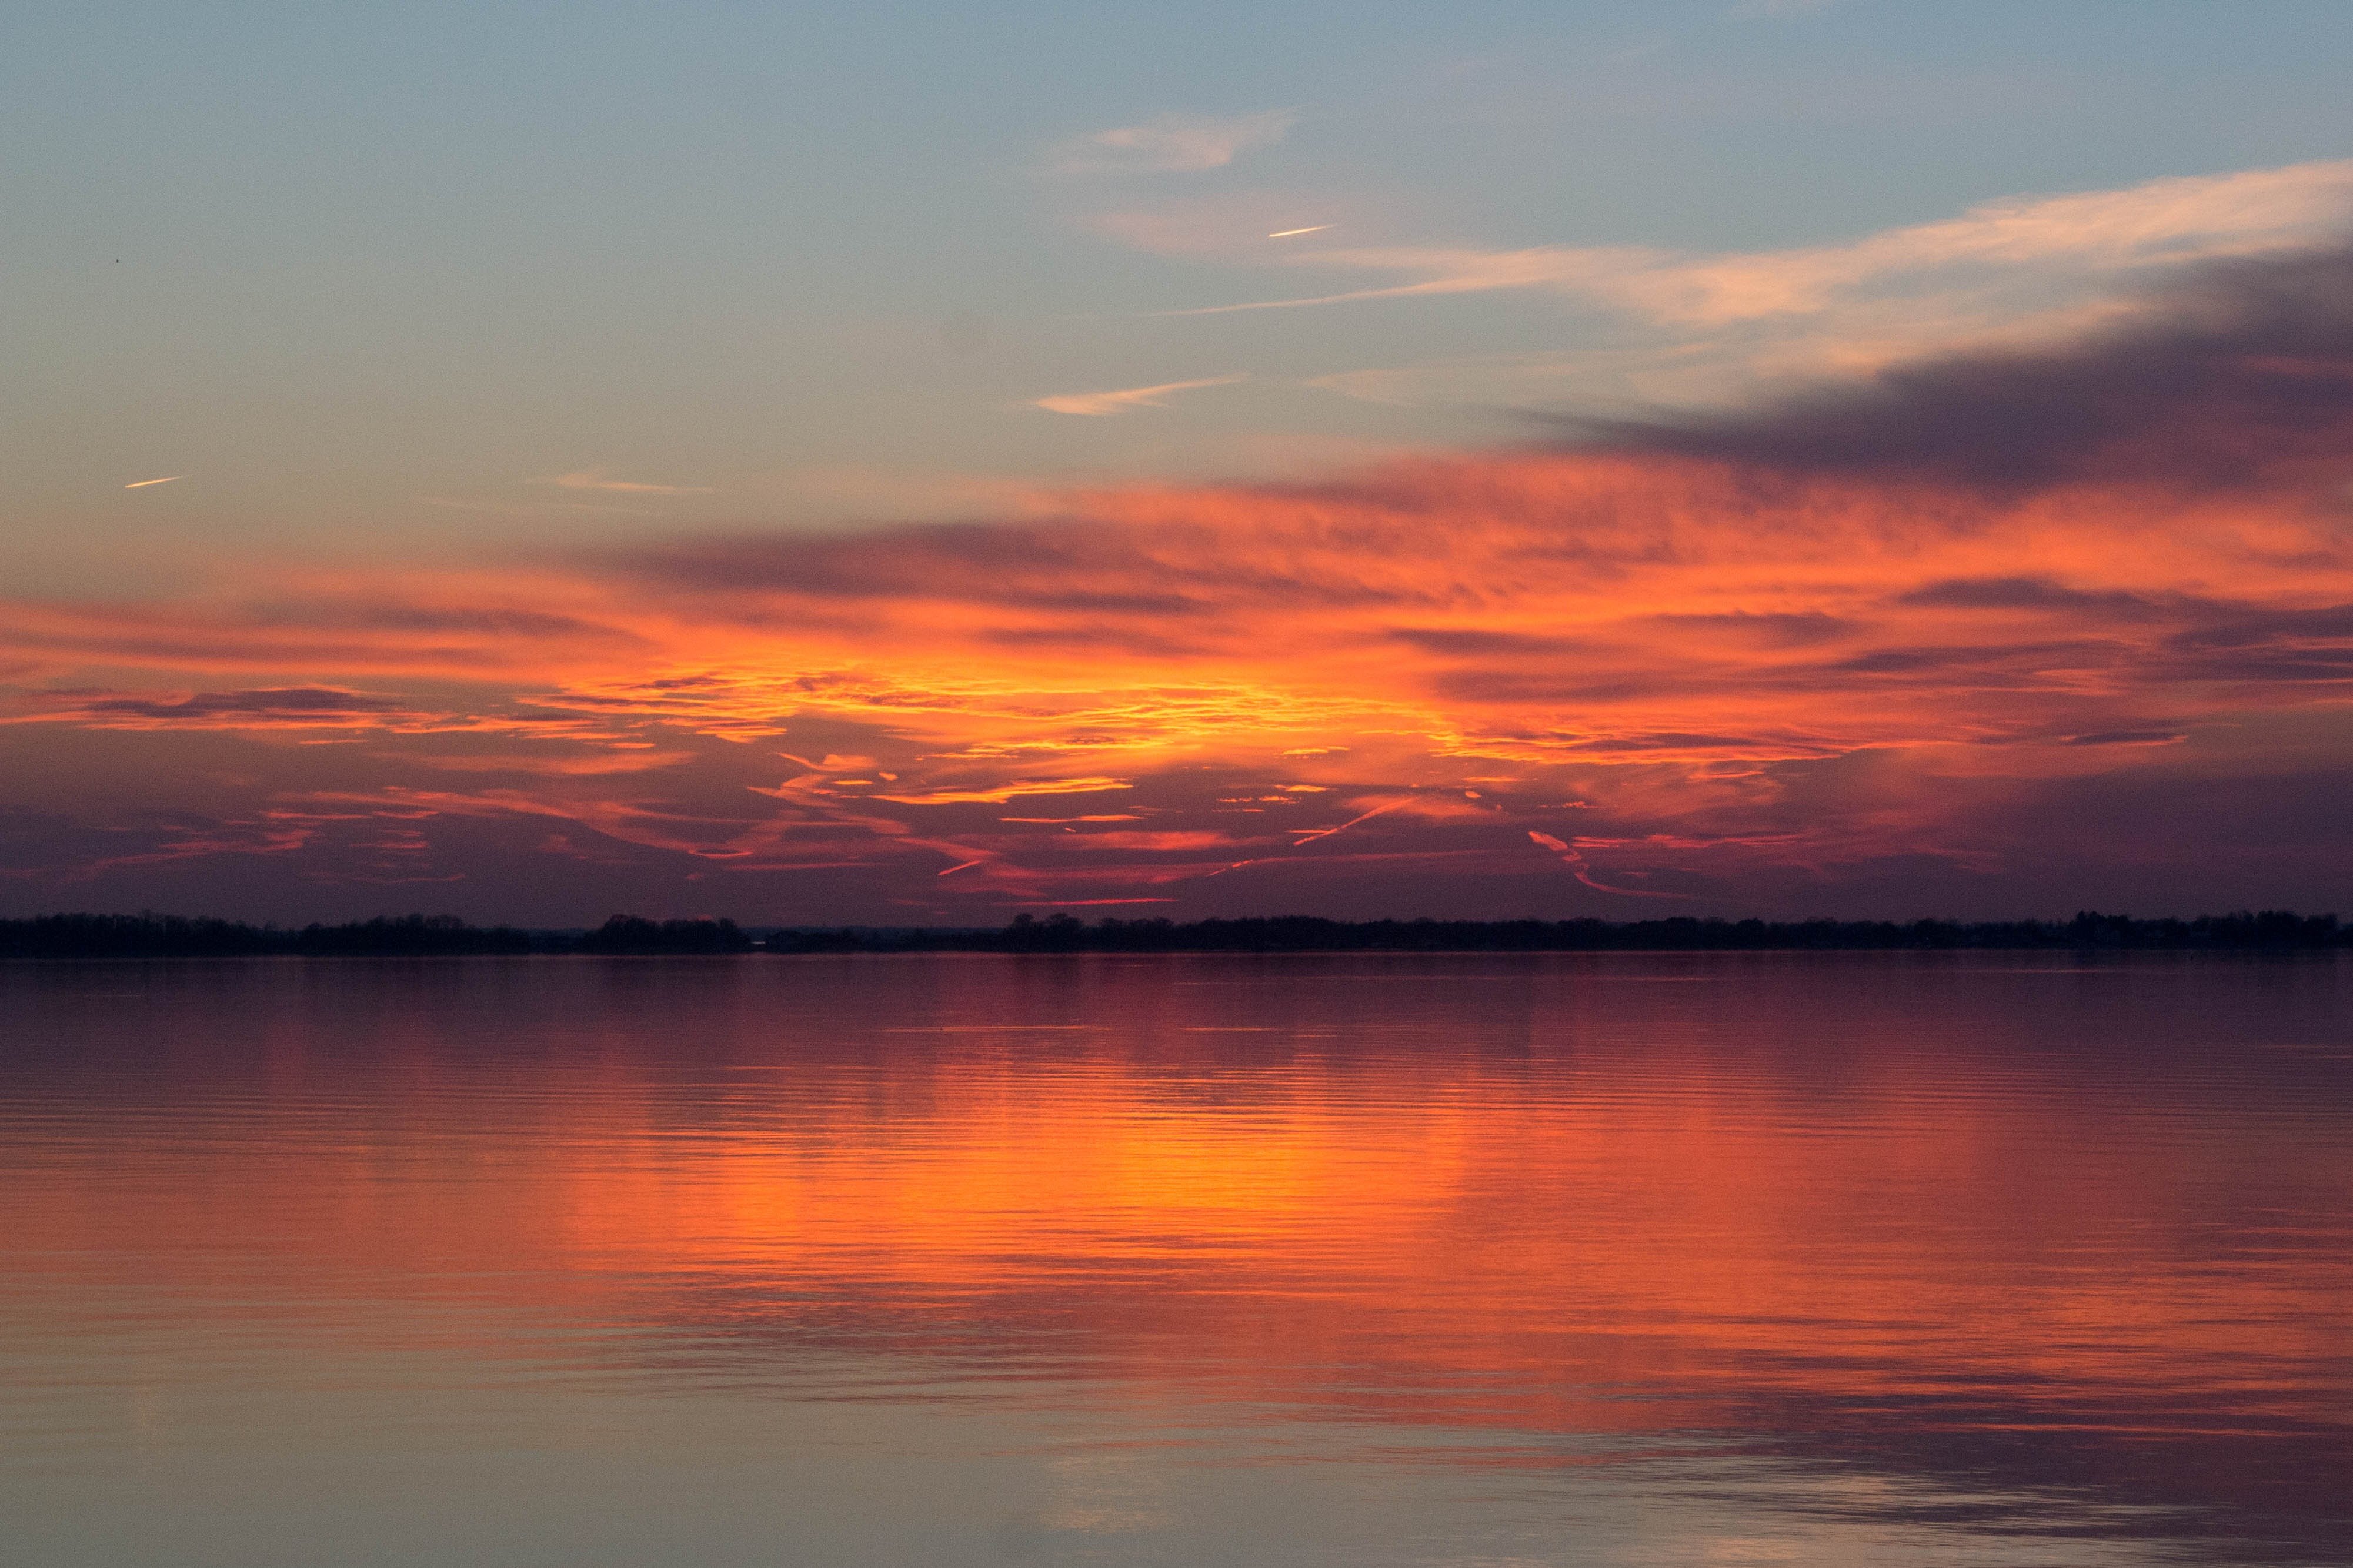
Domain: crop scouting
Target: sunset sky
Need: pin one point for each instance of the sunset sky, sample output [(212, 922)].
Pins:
[(919, 465)]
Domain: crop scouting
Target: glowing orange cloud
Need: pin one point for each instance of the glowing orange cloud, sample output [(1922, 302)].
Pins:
[(1878, 626)]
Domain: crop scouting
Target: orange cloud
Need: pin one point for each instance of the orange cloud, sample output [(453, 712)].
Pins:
[(1867, 636), (999, 794)]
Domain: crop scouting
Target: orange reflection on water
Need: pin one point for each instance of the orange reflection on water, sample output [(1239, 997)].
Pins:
[(1547, 1199)]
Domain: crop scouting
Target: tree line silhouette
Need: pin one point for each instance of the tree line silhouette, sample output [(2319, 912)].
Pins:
[(403, 936), (1307, 933), (419, 936)]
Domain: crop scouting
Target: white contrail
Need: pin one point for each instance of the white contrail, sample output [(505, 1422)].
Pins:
[(1311, 229), (142, 484)]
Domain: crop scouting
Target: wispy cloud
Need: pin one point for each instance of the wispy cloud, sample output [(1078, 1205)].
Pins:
[(2102, 234), (1460, 271), (1172, 143), (1572, 856), (1099, 404), (1227, 221), (600, 480), (166, 479), (2027, 267), (540, 508)]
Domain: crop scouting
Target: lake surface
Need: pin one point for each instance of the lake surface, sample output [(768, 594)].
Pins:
[(1838, 1259)]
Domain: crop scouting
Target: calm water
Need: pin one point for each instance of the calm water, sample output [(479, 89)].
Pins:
[(1835, 1259)]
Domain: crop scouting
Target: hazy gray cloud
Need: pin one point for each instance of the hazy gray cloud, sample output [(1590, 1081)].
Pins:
[(2243, 370)]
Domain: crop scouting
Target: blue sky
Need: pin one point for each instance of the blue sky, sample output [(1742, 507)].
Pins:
[(366, 272)]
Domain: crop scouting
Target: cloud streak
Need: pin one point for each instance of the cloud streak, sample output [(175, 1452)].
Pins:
[(1100, 404)]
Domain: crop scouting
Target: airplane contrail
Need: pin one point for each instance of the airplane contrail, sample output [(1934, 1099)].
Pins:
[(142, 484), (1311, 229)]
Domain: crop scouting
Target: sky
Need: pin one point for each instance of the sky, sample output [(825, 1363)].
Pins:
[(932, 464)]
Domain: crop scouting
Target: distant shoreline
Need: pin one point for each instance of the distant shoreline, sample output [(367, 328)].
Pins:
[(93, 936)]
